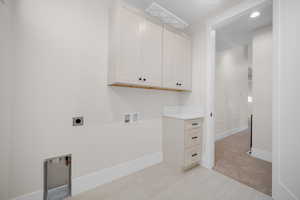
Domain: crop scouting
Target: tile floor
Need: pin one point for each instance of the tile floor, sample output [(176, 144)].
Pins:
[(161, 183)]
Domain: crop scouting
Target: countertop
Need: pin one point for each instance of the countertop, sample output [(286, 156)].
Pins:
[(185, 116), (183, 113)]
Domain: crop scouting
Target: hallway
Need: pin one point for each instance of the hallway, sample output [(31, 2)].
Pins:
[(233, 161)]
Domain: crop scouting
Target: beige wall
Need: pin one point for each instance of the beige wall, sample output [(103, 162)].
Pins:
[(62, 50), (262, 90), (231, 90), (5, 97)]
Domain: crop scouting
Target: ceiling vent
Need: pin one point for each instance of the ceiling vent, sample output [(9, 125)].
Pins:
[(166, 16)]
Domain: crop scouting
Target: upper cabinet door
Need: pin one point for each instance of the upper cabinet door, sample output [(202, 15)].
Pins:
[(151, 53), (176, 61), (128, 68), (140, 50), (184, 72), (170, 64)]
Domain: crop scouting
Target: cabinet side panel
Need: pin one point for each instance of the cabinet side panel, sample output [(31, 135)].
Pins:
[(169, 59), (173, 142)]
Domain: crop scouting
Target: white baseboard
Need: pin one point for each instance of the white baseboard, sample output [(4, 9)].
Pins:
[(229, 133), (205, 163), (93, 180), (261, 154), (32, 196)]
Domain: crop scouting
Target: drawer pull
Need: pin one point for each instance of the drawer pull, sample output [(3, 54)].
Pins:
[(195, 124), (194, 155), (194, 138)]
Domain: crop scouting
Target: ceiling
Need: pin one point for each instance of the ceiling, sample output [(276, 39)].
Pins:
[(241, 30), (191, 11)]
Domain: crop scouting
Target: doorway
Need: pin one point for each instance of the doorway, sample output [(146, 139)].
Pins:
[(254, 170)]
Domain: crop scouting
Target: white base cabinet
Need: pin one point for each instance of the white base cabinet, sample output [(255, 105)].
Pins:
[(182, 142)]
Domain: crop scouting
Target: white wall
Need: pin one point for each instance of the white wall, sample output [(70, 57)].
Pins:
[(250, 82), (262, 91), (288, 150), (5, 97), (231, 90), (61, 72), (197, 98)]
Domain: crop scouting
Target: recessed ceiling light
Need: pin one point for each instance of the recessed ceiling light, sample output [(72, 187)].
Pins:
[(255, 14)]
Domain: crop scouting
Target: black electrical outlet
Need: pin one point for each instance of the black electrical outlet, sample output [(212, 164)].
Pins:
[(78, 121)]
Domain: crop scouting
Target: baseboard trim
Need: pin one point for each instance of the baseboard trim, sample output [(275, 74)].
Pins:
[(287, 194), (32, 196), (261, 154), (93, 180), (229, 133)]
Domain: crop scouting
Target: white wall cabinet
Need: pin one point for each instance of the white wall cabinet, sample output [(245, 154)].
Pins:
[(177, 61), (145, 54), (136, 50)]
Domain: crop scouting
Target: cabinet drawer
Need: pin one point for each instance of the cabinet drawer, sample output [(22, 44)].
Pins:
[(192, 156), (194, 123), (192, 137)]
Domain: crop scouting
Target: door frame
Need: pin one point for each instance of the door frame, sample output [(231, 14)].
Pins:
[(211, 26)]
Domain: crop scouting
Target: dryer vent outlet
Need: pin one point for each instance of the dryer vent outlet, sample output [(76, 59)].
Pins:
[(78, 121)]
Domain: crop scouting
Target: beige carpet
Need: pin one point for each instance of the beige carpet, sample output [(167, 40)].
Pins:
[(233, 161)]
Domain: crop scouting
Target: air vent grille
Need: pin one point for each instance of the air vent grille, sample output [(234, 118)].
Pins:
[(166, 16)]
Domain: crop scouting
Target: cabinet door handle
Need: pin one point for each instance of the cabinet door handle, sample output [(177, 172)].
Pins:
[(195, 124), (194, 138), (194, 155), (140, 78), (144, 79)]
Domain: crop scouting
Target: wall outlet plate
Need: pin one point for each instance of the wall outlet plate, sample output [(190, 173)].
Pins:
[(135, 117), (127, 118), (78, 121)]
